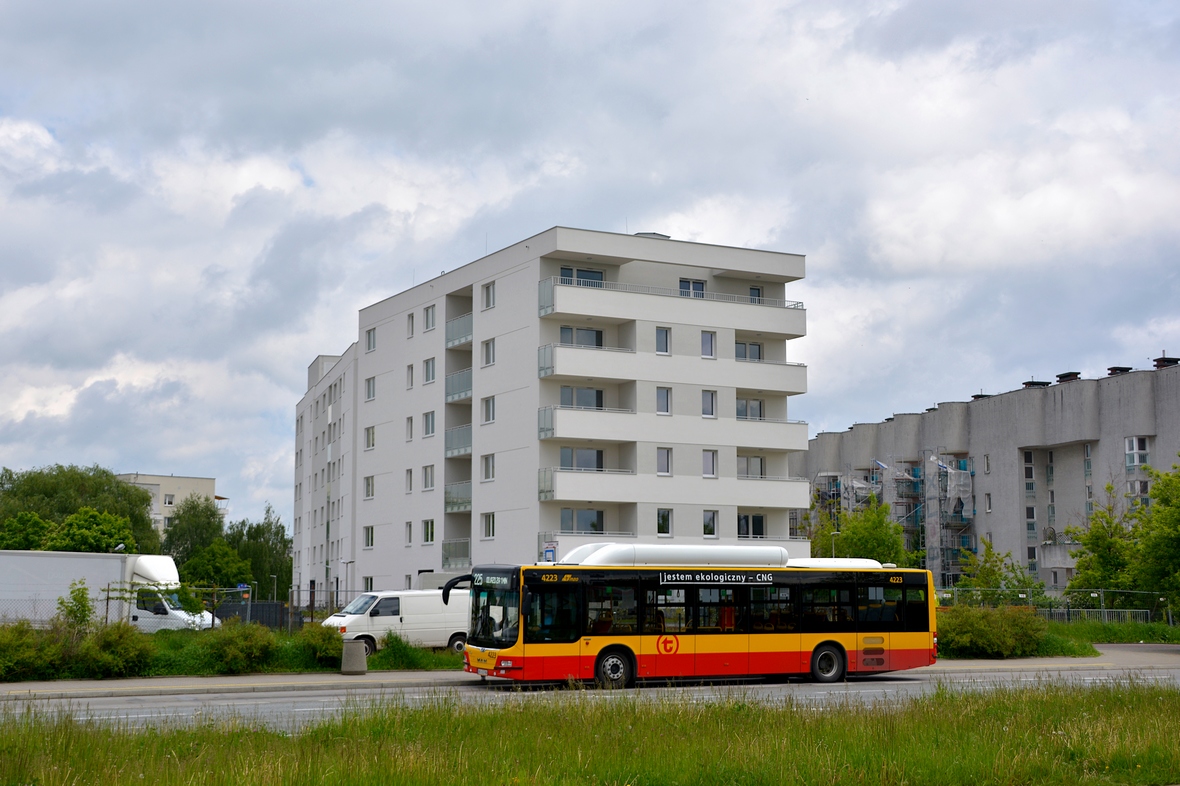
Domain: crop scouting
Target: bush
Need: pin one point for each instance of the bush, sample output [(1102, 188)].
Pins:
[(118, 650), (975, 632), (325, 644), (19, 652), (240, 648), (397, 654)]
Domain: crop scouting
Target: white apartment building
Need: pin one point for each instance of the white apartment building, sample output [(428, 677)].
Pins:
[(1016, 468), (168, 491), (575, 386)]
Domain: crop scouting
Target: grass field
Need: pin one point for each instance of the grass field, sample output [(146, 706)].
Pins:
[(1043, 734)]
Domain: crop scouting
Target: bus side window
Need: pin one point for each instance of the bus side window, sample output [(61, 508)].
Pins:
[(552, 615), (878, 608), (917, 613), (611, 609)]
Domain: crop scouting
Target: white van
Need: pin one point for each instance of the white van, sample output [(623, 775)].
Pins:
[(418, 616)]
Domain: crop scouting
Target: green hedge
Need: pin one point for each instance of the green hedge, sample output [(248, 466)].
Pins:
[(980, 632)]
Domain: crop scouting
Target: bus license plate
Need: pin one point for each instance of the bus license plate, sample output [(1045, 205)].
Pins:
[(482, 672)]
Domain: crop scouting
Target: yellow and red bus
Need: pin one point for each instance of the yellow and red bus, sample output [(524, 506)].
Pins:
[(615, 613)]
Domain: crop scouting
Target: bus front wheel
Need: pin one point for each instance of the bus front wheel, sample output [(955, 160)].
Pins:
[(827, 663), (614, 670)]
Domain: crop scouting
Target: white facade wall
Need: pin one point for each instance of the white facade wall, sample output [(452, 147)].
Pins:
[(168, 491), (1075, 433), (639, 292)]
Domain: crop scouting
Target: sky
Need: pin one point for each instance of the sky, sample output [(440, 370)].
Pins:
[(196, 199)]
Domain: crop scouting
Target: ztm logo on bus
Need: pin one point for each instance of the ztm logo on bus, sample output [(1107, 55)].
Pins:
[(668, 645)]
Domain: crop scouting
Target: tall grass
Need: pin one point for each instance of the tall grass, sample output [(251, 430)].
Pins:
[(1116, 632), (1051, 733)]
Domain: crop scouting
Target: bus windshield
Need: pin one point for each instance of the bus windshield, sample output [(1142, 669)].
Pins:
[(495, 612)]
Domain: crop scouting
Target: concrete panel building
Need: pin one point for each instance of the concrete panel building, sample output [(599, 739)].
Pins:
[(169, 490), (1016, 468), (574, 386)]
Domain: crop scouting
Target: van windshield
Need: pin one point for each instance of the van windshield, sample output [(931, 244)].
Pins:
[(360, 605)]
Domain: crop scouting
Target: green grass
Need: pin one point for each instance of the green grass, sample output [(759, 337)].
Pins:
[(1054, 645), (1117, 632), (1052, 733)]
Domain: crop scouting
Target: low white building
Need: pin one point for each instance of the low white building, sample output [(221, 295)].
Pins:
[(168, 491), (574, 386)]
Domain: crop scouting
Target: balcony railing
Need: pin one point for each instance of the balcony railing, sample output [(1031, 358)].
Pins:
[(769, 420), (546, 287), (545, 479), (459, 330), (458, 441), (545, 355), (545, 417), (772, 537), (769, 477), (456, 553), (459, 385), (770, 362), (457, 496)]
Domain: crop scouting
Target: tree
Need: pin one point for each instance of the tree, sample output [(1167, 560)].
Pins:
[(89, 530), (1157, 568), (998, 578), (867, 533), (196, 523), (1109, 546), (267, 547), (56, 492), (24, 531), (216, 565)]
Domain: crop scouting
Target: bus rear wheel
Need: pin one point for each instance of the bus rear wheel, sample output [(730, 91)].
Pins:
[(614, 670), (827, 663)]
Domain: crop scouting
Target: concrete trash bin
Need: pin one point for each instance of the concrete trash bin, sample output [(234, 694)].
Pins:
[(353, 660)]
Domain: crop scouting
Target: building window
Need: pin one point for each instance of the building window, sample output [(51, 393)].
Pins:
[(580, 337), (370, 388), (582, 520), (709, 527), (370, 437), (663, 461), (169, 500), (663, 401), (428, 424), (708, 344), (428, 477), (588, 459), (1028, 457), (409, 428), (987, 502), (410, 376), (1086, 450), (366, 583), (370, 486), (427, 370), (1032, 553), (664, 522), (581, 398), (691, 288), (488, 406), (409, 480), (751, 525), (987, 464), (750, 409), (488, 521), (409, 532), (368, 537), (409, 325), (709, 403), (1028, 472), (428, 531), (751, 467), (370, 339), (428, 318), (663, 341), (488, 466), (1136, 452), (743, 350), (1089, 491), (489, 295), (489, 352), (755, 294), (409, 581), (709, 463)]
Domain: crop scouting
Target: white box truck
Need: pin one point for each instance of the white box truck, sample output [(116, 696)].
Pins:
[(136, 588), (418, 616)]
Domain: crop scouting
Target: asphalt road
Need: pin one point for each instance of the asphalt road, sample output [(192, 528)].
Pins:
[(290, 702)]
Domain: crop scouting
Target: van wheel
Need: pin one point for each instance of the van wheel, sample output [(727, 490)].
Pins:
[(614, 670), (827, 663), (457, 643), (370, 647)]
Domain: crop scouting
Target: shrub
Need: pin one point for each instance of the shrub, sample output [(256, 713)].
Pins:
[(240, 648), (118, 650), (325, 644), (975, 632), (397, 654), (76, 610), (19, 656)]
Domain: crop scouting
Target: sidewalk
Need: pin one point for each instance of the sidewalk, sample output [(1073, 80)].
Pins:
[(248, 683), (1112, 656)]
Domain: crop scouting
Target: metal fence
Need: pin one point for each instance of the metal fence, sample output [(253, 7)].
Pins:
[(1071, 605)]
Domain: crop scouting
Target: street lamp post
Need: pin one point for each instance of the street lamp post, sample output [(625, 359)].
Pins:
[(346, 564), (274, 593), (834, 533)]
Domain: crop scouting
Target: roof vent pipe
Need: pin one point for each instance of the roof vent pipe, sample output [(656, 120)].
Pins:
[(1114, 371), (1163, 361)]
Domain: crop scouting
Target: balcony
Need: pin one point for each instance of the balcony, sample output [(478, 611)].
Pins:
[(457, 496), (624, 486), (622, 301), (585, 423), (458, 441), (459, 385), (459, 331), (456, 553), (621, 364)]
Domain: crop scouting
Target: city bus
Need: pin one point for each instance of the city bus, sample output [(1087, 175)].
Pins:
[(615, 613)]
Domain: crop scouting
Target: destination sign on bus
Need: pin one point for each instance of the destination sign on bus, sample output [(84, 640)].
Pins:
[(715, 577)]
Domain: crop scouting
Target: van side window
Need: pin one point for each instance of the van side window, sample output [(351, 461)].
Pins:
[(147, 600), (387, 607)]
